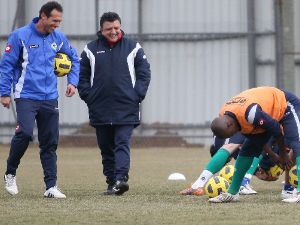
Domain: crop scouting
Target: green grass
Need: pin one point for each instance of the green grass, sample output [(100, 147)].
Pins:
[(152, 199)]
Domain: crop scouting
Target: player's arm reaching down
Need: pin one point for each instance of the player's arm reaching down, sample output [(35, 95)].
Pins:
[(256, 116)]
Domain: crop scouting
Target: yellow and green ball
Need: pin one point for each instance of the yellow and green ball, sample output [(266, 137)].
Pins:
[(293, 178), (62, 64), (227, 172), (276, 171), (215, 186)]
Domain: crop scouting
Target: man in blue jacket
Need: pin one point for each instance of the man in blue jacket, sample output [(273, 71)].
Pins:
[(27, 66), (113, 81)]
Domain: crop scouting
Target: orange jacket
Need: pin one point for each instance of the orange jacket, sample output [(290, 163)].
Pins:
[(271, 100)]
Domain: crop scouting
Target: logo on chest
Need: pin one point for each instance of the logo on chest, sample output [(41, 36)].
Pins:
[(237, 101), (33, 46), (54, 46), (8, 48)]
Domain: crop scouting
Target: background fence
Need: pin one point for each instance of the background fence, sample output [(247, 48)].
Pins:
[(201, 53)]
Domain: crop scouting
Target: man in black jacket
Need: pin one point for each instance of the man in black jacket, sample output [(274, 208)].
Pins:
[(114, 78)]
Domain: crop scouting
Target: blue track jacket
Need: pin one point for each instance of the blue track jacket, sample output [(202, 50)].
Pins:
[(28, 63)]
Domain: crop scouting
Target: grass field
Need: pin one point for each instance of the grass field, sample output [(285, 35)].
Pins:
[(152, 199)]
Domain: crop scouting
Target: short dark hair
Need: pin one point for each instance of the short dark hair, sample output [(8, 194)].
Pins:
[(110, 17), (49, 6)]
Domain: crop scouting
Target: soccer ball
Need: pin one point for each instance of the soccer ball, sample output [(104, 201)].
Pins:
[(276, 171), (62, 64), (227, 172), (293, 178), (215, 186)]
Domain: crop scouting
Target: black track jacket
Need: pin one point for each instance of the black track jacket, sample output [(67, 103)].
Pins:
[(113, 81)]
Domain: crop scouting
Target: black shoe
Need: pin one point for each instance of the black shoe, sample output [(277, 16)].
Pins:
[(109, 190), (111, 182), (120, 187)]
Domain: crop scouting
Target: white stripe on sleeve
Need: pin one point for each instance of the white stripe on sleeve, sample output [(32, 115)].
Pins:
[(20, 84), (296, 118), (130, 62), (91, 57), (251, 115)]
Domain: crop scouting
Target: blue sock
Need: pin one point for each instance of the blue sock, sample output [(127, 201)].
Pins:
[(288, 187), (245, 181)]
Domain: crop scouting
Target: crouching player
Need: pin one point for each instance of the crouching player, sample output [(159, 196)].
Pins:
[(259, 114)]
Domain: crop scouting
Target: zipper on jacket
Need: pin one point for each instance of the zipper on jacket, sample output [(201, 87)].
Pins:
[(45, 64), (111, 63)]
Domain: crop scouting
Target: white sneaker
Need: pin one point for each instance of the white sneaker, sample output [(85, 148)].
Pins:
[(288, 194), (293, 199), (54, 192), (11, 184), (247, 190), (225, 197)]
